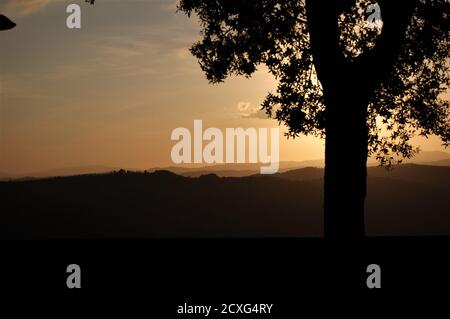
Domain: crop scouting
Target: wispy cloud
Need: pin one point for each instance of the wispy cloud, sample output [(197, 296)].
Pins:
[(22, 7), (127, 56), (243, 106), (256, 114), (249, 112)]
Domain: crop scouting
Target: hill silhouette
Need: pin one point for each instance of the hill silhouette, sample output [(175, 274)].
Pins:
[(164, 204), (435, 176), (433, 158)]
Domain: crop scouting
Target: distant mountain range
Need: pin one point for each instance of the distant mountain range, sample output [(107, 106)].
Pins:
[(435, 158), (68, 171), (409, 200)]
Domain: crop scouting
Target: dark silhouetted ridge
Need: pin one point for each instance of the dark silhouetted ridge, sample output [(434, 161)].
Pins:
[(411, 200)]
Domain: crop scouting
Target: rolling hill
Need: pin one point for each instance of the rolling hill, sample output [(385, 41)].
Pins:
[(412, 201)]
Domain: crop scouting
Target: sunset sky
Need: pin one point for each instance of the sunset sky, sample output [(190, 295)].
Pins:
[(111, 93)]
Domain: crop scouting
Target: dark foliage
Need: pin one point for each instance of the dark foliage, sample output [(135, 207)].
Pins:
[(238, 35), (6, 23)]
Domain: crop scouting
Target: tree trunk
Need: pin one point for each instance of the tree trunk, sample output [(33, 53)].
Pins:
[(346, 148), (347, 88)]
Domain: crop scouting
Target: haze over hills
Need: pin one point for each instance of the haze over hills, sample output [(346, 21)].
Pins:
[(434, 176), (243, 169), (80, 170), (68, 171), (428, 157), (410, 200), (445, 162), (434, 158)]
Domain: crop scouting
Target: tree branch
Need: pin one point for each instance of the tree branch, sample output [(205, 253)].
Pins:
[(375, 65)]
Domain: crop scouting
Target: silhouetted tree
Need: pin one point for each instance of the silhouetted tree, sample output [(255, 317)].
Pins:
[(5, 23), (366, 90)]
